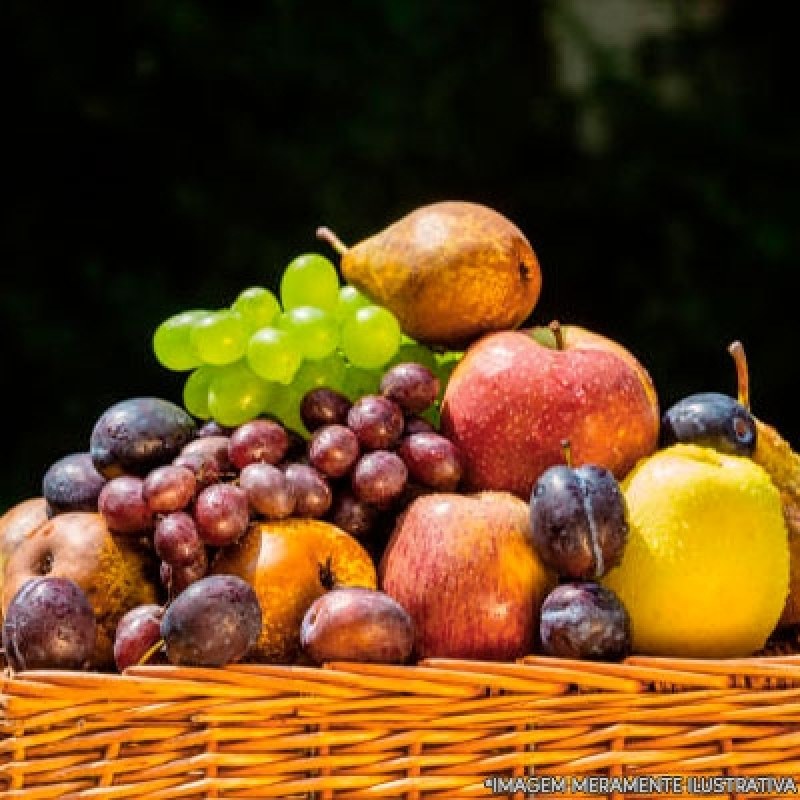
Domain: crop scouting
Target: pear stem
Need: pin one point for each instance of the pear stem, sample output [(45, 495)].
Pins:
[(736, 349), (327, 235), (567, 448), (558, 333)]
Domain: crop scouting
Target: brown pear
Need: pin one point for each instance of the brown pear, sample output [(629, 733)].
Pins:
[(450, 272)]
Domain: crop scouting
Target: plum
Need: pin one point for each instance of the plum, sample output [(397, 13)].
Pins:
[(72, 483), (49, 624), (138, 434)]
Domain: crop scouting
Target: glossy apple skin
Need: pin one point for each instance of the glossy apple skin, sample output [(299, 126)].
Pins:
[(464, 568), (515, 398)]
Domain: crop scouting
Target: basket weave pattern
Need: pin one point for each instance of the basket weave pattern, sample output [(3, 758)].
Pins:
[(358, 731)]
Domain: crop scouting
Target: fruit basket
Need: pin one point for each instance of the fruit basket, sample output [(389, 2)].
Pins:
[(439, 729)]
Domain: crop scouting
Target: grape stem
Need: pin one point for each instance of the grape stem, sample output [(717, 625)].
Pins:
[(327, 235), (150, 653), (736, 349)]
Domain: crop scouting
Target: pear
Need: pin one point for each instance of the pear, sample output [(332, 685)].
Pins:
[(449, 271)]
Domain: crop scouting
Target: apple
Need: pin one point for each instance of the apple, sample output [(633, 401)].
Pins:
[(465, 569), (290, 563), (117, 572), (517, 396)]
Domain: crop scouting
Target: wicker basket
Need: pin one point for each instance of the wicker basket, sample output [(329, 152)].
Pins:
[(440, 729)]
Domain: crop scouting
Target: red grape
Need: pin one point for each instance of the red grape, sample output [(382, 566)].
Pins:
[(176, 539), (379, 478), (122, 505), (352, 515), (169, 488), (412, 386), (222, 513), (137, 632), (175, 579), (433, 460), (377, 422), (312, 492), (258, 440), (323, 406), (333, 450), (268, 490)]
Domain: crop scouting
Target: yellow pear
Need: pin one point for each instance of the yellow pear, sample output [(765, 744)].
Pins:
[(449, 271)]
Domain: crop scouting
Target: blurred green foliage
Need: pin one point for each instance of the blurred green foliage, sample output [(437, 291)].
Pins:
[(164, 156)]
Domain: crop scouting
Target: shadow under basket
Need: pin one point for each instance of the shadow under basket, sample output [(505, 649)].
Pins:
[(443, 728)]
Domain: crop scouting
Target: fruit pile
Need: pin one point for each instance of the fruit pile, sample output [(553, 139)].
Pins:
[(390, 468)]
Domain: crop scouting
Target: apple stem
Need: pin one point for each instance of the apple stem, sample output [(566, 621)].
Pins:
[(736, 349), (558, 333), (567, 448), (327, 235)]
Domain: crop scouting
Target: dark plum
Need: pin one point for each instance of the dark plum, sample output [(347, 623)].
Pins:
[(710, 419), (259, 440), (72, 483), (333, 450), (377, 421), (432, 460), (584, 620), (139, 434), (579, 520), (323, 406), (213, 622), (49, 624), (138, 631), (412, 386)]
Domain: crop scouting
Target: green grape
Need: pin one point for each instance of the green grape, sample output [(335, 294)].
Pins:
[(316, 331), (219, 337), (195, 391), (371, 337), (330, 372), (358, 382), (284, 405), (236, 394), (411, 351), (258, 308), (310, 280), (171, 341), (350, 300), (274, 355)]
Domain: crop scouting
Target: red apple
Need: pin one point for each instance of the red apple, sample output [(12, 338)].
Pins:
[(516, 396), (464, 568)]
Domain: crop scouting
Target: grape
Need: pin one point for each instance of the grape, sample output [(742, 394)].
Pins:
[(414, 387), (138, 630), (216, 445), (349, 301), (219, 337), (72, 483), (417, 424), (586, 621), (379, 478), (222, 513), (138, 434), (433, 460), (371, 337), (274, 354), (123, 507), (315, 331), (257, 307), (176, 539), (207, 457), (326, 372), (312, 492), (195, 391), (377, 422), (352, 515), (49, 624), (169, 488), (324, 406), (258, 440), (310, 280), (171, 341), (333, 450), (176, 578), (236, 394), (285, 406), (213, 622), (268, 490)]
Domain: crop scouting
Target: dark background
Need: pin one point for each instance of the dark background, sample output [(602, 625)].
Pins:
[(165, 156)]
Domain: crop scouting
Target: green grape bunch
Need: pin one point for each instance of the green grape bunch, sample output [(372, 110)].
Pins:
[(263, 352)]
